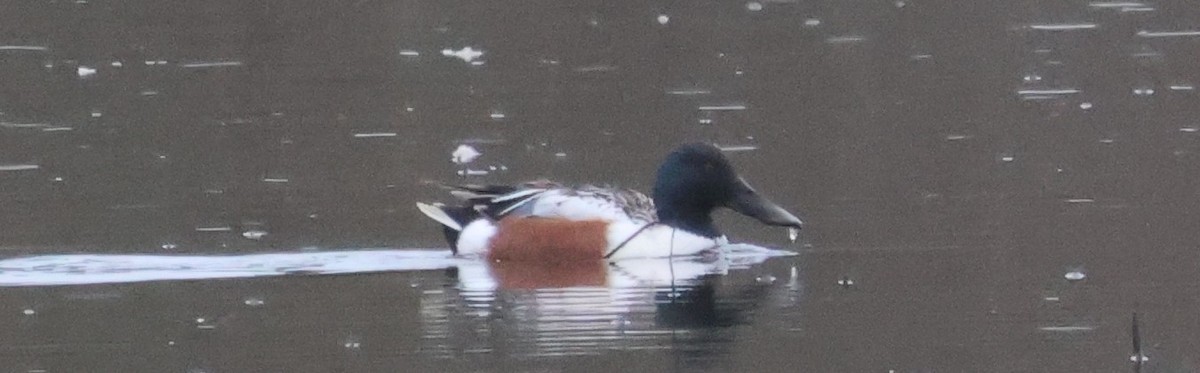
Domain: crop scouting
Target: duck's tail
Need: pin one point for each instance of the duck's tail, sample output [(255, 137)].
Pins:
[(453, 219)]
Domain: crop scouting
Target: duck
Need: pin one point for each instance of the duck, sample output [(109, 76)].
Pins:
[(547, 221)]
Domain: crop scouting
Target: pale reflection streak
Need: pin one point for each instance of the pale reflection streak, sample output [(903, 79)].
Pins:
[(587, 309)]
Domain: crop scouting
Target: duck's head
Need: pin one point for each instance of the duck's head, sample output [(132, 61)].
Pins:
[(696, 179)]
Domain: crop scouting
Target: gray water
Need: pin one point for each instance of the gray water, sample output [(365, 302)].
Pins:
[(955, 160)]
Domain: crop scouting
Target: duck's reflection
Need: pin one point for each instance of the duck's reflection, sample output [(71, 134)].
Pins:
[(535, 309)]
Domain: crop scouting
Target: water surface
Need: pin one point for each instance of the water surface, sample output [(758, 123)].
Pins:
[(955, 162)]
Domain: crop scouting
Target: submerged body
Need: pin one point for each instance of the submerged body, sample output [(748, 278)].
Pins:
[(545, 221)]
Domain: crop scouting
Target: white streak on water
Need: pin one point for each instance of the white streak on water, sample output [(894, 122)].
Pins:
[(409, 53), (689, 91), (32, 48), (595, 68), (18, 167), (1182, 87), (213, 229), (1063, 91), (275, 180), (23, 125), (1115, 4), (722, 107), (57, 129), (737, 148), (1063, 26), (1066, 329), (192, 65), (375, 134), (1167, 34), (845, 39)]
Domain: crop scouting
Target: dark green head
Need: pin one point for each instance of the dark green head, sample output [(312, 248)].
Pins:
[(696, 179)]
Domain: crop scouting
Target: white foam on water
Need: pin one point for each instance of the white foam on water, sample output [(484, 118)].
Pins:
[(83, 269), (79, 269)]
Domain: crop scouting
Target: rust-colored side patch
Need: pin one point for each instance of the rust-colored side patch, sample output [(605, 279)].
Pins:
[(549, 240)]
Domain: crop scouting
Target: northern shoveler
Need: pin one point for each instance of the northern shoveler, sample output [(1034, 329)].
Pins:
[(543, 220)]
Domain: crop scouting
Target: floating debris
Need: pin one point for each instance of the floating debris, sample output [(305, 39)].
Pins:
[(1182, 87), (1143, 91), (1075, 276), (279, 180), (793, 233), (1078, 200), (29, 312), (253, 302), (812, 22), (663, 19), (169, 246), (1189, 129), (85, 72), (957, 137), (845, 282), (1085, 105), (496, 115), (464, 154), (409, 53), (254, 234), (754, 6), (467, 54), (1007, 158), (1139, 356), (470, 172), (214, 229)]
